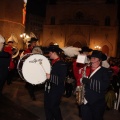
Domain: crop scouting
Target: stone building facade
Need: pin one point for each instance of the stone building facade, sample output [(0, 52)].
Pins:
[(11, 19), (82, 23)]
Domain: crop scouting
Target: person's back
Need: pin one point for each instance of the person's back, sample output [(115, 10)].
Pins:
[(4, 61), (4, 64)]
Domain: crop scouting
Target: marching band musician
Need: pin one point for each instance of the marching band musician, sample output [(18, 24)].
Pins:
[(9, 48), (30, 87), (54, 86), (4, 64), (96, 83), (77, 67), (32, 43)]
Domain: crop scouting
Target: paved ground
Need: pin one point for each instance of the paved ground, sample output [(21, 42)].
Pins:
[(17, 105)]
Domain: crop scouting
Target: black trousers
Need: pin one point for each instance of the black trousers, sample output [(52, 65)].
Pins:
[(68, 89), (10, 76), (2, 83), (31, 90), (51, 105), (94, 111)]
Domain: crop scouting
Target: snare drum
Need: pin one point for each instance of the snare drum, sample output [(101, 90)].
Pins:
[(33, 68)]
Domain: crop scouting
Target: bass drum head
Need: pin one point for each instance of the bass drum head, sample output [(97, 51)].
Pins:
[(35, 68)]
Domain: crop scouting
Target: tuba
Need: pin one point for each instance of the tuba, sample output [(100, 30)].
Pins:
[(80, 92)]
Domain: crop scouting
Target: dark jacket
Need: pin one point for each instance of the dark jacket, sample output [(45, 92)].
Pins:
[(58, 75), (4, 63), (96, 88)]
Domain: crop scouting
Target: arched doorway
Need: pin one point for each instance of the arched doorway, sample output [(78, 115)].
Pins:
[(105, 49), (77, 44)]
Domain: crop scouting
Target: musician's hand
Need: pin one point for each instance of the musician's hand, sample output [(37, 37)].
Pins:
[(47, 75), (85, 80)]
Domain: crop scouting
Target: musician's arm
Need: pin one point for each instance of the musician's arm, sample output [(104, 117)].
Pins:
[(58, 76)]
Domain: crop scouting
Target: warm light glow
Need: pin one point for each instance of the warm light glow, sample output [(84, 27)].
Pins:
[(25, 1), (27, 36), (55, 43), (97, 47), (21, 35), (24, 36), (24, 12)]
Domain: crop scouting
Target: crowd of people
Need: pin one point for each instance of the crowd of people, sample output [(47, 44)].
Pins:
[(97, 78)]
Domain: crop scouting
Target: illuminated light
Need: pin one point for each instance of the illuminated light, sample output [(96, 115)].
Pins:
[(55, 44), (24, 11), (97, 47), (27, 36), (21, 35), (25, 1), (24, 36)]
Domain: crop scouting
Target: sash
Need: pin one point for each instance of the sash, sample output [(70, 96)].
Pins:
[(94, 72)]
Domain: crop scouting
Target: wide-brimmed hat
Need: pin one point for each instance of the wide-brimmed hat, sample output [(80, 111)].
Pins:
[(86, 49), (98, 54), (54, 48), (33, 39)]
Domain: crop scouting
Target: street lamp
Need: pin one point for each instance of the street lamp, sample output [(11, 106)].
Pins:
[(97, 47)]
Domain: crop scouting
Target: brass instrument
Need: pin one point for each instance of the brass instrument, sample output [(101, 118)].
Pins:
[(80, 92), (15, 52), (80, 95)]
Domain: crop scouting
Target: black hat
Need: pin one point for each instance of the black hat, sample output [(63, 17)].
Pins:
[(85, 49), (98, 54), (33, 40), (54, 48)]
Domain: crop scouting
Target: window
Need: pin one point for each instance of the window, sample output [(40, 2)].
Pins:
[(110, 1), (52, 20), (79, 15), (107, 21)]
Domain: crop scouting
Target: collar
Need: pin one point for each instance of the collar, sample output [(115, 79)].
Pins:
[(94, 71), (55, 60)]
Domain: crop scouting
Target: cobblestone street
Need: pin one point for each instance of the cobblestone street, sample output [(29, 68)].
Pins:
[(17, 105)]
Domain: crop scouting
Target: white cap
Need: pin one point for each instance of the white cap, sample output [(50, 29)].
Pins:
[(2, 40)]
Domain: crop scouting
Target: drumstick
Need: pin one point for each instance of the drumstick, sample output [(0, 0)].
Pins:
[(42, 66)]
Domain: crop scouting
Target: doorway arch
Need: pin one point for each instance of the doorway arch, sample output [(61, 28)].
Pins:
[(105, 49)]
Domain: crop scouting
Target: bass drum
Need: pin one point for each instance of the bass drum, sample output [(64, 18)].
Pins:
[(33, 68)]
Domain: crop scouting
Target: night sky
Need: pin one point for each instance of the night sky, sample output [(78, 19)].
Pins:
[(38, 7)]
